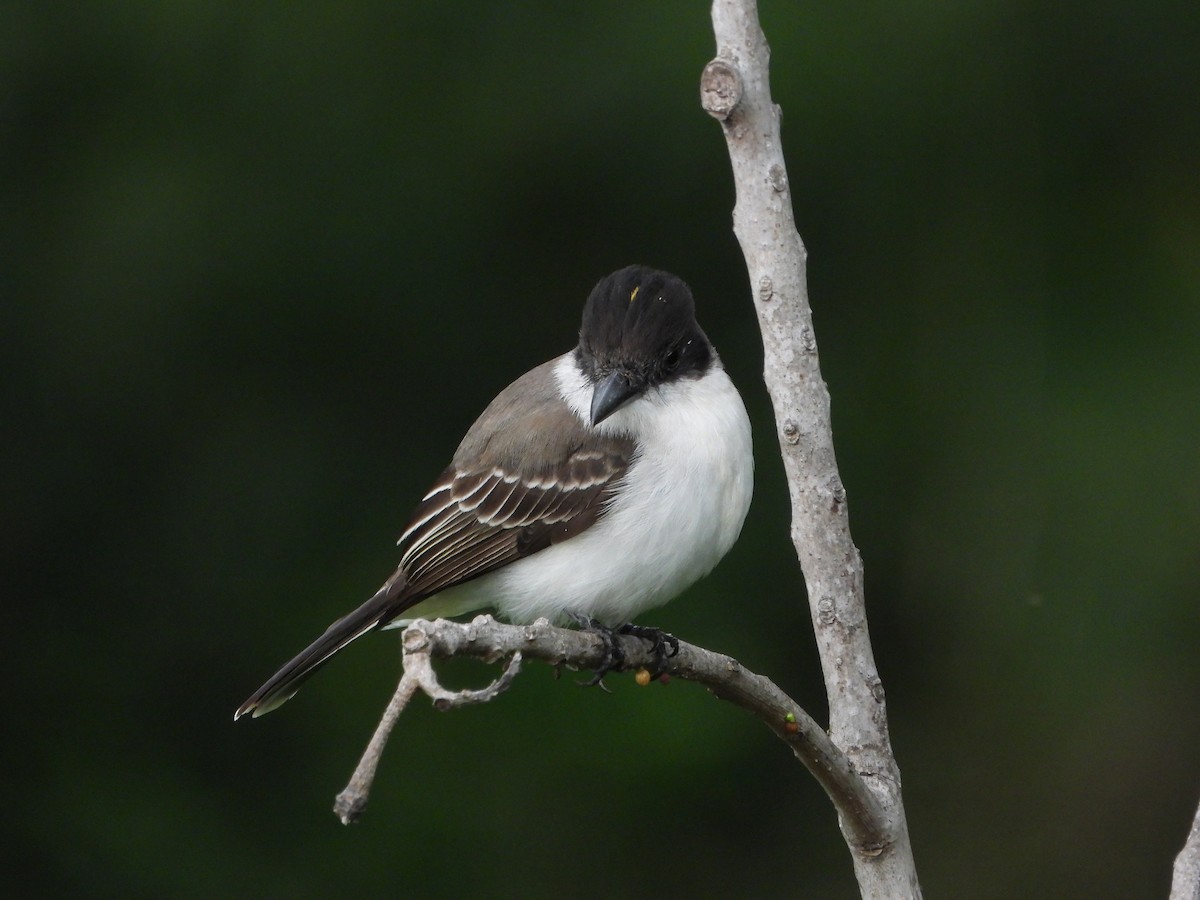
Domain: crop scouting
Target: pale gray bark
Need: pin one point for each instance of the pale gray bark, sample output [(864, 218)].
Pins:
[(486, 639), (1185, 885), (735, 89)]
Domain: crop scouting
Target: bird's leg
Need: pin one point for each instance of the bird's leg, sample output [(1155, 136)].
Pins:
[(614, 656), (662, 645)]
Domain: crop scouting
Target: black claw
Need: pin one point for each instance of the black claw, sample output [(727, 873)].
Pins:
[(614, 656), (663, 646), (659, 639)]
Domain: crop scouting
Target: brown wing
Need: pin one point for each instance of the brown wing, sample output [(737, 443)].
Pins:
[(475, 521)]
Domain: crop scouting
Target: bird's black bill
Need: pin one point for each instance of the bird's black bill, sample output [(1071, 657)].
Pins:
[(611, 394)]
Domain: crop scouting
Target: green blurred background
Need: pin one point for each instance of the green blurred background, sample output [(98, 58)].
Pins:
[(262, 264)]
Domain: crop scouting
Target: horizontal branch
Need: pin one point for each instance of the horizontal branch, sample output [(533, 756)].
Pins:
[(490, 641)]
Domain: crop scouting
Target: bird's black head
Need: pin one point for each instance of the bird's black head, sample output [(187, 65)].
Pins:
[(639, 330)]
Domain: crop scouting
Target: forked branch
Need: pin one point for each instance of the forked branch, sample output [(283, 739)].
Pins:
[(489, 640)]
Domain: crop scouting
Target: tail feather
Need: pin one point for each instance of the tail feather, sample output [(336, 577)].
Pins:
[(282, 686)]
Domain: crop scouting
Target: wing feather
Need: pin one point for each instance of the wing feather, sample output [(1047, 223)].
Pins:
[(495, 517)]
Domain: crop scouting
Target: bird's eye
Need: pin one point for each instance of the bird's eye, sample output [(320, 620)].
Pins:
[(671, 360)]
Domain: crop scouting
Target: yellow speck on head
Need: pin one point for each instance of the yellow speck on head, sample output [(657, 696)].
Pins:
[(633, 295)]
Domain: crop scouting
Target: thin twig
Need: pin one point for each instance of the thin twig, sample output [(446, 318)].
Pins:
[(418, 675), (351, 802)]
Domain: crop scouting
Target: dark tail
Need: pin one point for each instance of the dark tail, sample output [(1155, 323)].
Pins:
[(283, 685)]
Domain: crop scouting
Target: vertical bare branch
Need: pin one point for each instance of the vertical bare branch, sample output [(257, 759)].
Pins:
[(1185, 885), (735, 89)]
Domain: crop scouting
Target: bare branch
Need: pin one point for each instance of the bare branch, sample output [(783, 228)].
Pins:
[(351, 802), (489, 640), (1185, 885), (735, 90)]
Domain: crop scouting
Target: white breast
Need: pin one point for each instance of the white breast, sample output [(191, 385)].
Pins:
[(679, 510)]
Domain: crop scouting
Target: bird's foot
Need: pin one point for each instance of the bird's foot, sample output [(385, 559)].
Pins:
[(662, 645), (614, 656)]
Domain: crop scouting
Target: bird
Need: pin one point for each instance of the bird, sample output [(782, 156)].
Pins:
[(597, 486)]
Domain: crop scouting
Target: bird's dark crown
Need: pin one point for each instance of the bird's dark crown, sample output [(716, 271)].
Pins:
[(642, 321)]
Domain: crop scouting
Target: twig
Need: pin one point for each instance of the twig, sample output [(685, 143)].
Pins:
[(418, 675), (352, 801)]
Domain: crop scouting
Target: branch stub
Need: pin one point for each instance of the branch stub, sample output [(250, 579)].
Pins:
[(720, 89)]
